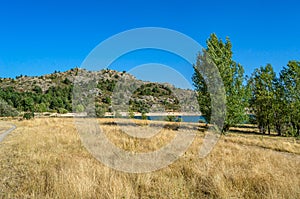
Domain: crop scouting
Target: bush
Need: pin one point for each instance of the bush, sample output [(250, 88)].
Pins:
[(28, 116), (6, 110), (171, 118), (131, 114), (79, 108), (100, 111), (62, 111), (144, 116)]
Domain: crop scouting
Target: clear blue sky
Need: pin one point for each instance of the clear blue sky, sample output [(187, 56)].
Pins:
[(38, 37)]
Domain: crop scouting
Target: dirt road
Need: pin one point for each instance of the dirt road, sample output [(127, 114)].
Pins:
[(6, 132)]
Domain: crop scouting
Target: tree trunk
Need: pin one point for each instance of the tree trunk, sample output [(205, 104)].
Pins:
[(278, 129), (262, 129), (225, 128)]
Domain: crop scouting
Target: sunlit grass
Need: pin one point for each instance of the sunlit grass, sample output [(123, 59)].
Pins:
[(44, 158)]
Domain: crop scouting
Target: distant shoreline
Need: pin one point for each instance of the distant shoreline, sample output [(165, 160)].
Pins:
[(122, 114)]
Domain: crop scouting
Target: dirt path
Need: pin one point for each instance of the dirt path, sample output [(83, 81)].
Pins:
[(5, 133)]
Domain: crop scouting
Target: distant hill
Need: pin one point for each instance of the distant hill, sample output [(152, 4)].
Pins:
[(54, 93)]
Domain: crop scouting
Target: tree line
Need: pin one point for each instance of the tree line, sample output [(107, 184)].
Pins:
[(271, 101), (55, 99)]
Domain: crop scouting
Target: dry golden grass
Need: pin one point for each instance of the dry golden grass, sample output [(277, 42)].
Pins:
[(283, 144), (44, 158), (4, 127)]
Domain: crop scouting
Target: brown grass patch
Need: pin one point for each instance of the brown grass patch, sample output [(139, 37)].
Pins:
[(44, 158)]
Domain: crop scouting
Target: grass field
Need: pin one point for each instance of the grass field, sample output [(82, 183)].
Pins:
[(44, 158)]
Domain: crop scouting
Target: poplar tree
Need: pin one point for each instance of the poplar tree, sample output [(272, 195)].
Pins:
[(262, 102), (290, 77), (232, 74)]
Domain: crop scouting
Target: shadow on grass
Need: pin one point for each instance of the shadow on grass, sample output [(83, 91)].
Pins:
[(175, 126), (251, 132)]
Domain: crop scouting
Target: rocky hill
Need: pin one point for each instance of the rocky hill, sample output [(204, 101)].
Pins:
[(109, 90)]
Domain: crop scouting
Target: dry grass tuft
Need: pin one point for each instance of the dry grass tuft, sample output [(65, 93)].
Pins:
[(44, 158)]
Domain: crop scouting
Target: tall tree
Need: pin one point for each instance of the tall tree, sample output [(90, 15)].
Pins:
[(290, 76), (262, 83), (280, 110), (232, 74)]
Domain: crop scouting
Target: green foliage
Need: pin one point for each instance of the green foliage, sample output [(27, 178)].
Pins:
[(131, 114), (67, 81), (262, 84), (107, 85), (153, 89), (172, 118), (144, 116), (276, 101), (101, 110), (150, 94), (220, 54), (53, 99), (62, 111), (40, 108), (107, 100), (28, 103), (139, 106), (6, 110), (290, 78), (28, 115), (79, 108), (58, 98), (37, 90)]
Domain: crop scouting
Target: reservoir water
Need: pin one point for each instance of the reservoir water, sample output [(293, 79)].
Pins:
[(192, 119)]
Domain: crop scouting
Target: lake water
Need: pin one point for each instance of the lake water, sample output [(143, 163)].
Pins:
[(192, 119)]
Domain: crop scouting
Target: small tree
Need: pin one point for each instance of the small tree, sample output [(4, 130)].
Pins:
[(144, 116), (131, 114)]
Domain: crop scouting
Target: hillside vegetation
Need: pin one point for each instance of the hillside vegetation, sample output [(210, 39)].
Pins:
[(54, 93)]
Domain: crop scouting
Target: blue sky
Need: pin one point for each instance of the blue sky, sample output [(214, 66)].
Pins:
[(38, 37)]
